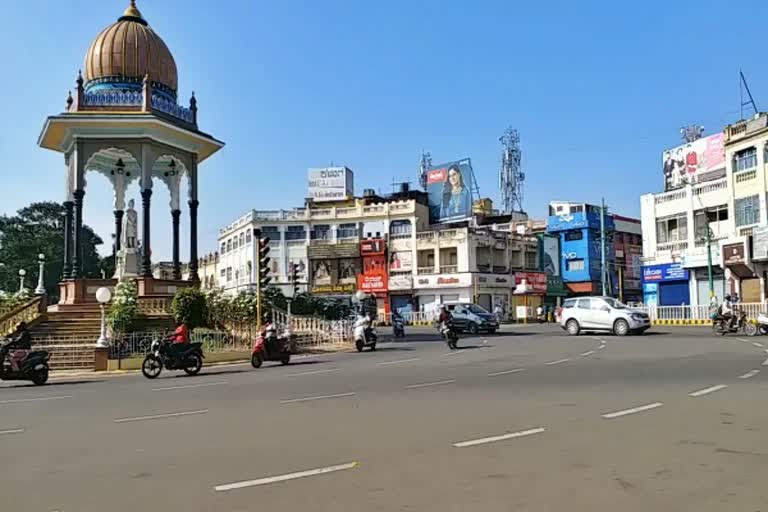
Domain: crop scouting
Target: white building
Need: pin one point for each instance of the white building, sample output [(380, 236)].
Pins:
[(721, 186)]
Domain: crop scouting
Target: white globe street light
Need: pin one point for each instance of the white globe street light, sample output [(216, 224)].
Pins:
[(40, 290), (103, 296), (22, 273)]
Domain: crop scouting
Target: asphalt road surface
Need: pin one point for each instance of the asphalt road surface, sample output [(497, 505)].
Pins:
[(526, 420)]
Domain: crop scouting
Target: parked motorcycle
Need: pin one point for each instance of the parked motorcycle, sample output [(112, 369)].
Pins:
[(398, 327), (740, 324), (33, 367), (172, 356), (269, 347), (449, 334), (364, 333)]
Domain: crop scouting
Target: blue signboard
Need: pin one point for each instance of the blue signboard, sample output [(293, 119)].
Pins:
[(666, 272), (578, 220), (651, 294)]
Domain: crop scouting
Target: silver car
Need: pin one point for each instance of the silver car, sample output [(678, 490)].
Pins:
[(602, 314)]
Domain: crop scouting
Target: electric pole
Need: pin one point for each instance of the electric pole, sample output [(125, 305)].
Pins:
[(603, 269)]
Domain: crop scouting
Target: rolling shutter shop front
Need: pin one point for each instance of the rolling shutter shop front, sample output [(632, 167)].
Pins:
[(674, 293), (672, 280)]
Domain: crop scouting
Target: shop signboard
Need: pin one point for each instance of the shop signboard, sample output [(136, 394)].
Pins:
[(494, 281), (665, 272), (400, 282), (330, 184), (372, 246), (760, 243), (535, 283), (336, 288), (733, 254), (460, 280), (374, 275), (400, 261)]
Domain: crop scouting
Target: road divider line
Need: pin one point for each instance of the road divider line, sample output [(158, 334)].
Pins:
[(559, 361), (428, 384), (400, 361), (587, 353), (707, 391), (161, 416), (743, 340), (205, 385), (758, 344), (310, 398), (495, 439), (506, 372), (633, 410), (314, 372), (40, 399), (454, 353), (283, 478), (12, 431), (749, 375)]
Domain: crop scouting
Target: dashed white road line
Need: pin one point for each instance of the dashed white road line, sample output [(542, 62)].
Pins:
[(428, 384), (742, 339), (559, 361), (454, 353), (707, 391), (758, 344), (283, 478), (504, 437), (587, 353), (314, 372), (12, 431), (633, 410), (205, 385), (749, 375), (506, 372), (40, 399), (400, 361), (601, 347), (321, 397), (161, 416)]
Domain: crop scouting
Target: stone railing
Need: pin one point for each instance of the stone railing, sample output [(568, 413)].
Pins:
[(670, 196), (113, 99), (172, 108), (745, 175), (155, 305), (710, 187), (27, 312)]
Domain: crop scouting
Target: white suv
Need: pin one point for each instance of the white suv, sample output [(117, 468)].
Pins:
[(602, 314)]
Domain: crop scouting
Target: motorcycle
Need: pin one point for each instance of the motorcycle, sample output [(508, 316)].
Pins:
[(449, 334), (722, 326), (398, 327), (269, 347), (365, 333), (33, 367), (172, 356), (762, 324)]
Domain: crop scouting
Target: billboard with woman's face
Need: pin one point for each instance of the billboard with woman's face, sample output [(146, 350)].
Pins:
[(448, 188)]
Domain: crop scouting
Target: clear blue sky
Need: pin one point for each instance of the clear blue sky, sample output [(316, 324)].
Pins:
[(597, 90)]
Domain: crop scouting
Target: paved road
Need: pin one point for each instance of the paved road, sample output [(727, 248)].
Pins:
[(526, 420)]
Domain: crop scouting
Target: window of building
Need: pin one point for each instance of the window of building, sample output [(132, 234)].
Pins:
[(296, 233), (672, 229), (530, 260), (223, 247), (574, 235), (574, 265), (229, 245), (229, 274), (747, 210), (248, 236), (249, 269), (321, 232), (577, 209), (346, 231), (704, 218), (223, 274), (242, 239), (234, 243), (400, 227), (272, 232), (745, 159)]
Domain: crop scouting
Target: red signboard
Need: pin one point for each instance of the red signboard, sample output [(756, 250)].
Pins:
[(374, 276), (536, 282), (372, 246)]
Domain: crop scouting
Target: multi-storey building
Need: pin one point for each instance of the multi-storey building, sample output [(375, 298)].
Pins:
[(714, 202)]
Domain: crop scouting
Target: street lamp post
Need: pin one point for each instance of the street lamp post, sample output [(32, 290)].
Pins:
[(22, 274), (103, 296), (40, 290)]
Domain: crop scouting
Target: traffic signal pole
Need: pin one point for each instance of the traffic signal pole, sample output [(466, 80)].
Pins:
[(257, 240), (604, 273)]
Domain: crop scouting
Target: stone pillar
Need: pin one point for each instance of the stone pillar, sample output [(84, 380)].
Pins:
[(118, 230), (146, 235), (176, 214), (193, 275), (68, 213), (77, 249)]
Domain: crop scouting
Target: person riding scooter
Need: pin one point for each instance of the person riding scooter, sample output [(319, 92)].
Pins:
[(398, 324), (726, 311), (20, 345)]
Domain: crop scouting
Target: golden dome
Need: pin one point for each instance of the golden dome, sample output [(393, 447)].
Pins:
[(131, 49)]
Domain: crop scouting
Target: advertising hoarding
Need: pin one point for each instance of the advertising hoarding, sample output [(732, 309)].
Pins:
[(694, 162), (401, 282), (535, 283), (550, 255), (401, 261), (374, 276), (760, 243), (666, 272), (448, 189), (330, 184)]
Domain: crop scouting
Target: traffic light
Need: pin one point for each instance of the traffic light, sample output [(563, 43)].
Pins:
[(263, 259), (295, 278)]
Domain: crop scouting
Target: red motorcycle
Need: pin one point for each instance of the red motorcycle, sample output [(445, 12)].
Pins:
[(269, 347)]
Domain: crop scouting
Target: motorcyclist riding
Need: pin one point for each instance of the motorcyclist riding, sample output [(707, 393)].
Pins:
[(726, 311), (445, 316), (21, 345), (181, 334)]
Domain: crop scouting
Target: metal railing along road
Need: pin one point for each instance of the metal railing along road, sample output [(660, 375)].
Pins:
[(752, 309)]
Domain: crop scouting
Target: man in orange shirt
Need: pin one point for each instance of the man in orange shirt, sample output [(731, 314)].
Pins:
[(181, 334)]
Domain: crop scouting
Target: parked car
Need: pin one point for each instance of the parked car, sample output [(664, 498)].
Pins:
[(602, 314), (472, 318)]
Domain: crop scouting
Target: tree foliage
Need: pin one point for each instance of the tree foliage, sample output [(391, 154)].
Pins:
[(190, 307), (125, 307), (39, 229)]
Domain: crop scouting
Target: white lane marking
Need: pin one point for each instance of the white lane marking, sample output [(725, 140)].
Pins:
[(506, 372), (283, 478), (557, 362), (400, 361), (596, 338), (633, 410), (601, 347), (23, 400), (454, 353), (742, 339), (757, 344), (504, 437), (12, 431), (314, 372), (205, 385), (765, 363), (749, 375), (588, 353), (160, 416), (707, 391), (427, 384), (310, 398)]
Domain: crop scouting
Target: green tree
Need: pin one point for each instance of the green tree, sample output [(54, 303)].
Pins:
[(39, 229), (189, 306)]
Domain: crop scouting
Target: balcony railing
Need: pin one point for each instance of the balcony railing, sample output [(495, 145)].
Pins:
[(680, 245), (427, 270), (448, 269), (745, 175), (670, 196), (713, 186)]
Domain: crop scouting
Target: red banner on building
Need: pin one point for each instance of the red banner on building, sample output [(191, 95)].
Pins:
[(536, 282)]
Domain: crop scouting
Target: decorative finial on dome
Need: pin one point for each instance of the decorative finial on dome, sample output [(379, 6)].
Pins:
[(69, 100), (132, 13), (79, 80)]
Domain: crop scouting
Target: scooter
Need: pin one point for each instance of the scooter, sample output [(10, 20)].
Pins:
[(269, 347), (364, 333), (449, 334), (398, 327), (721, 326), (172, 356), (34, 367)]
